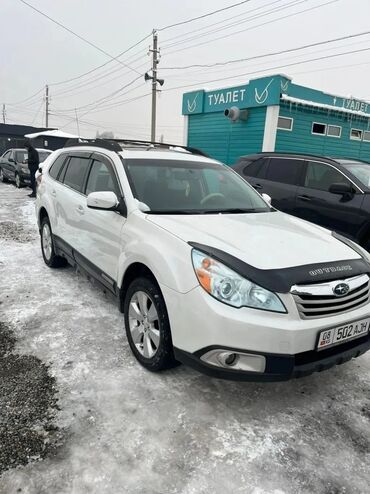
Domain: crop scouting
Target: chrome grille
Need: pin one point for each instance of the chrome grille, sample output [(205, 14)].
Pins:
[(314, 301)]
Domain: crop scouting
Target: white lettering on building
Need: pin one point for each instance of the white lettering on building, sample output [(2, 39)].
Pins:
[(235, 96)]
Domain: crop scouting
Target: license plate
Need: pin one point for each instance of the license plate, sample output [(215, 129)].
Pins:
[(349, 331)]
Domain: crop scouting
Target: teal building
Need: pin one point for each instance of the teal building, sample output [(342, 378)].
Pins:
[(274, 114)]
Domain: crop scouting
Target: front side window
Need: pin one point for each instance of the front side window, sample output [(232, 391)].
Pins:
[(255, 169), (184, 187), (6, 156), (21, 156), (320, 176), (100, 178), (283, 170), (75, 173)]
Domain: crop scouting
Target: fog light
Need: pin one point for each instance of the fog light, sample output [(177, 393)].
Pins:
[(231, 359), (237, 361)]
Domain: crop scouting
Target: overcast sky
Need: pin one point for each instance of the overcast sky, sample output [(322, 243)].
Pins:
[(36, 52)]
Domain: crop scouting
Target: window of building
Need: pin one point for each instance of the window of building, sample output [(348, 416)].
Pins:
[(320, 176), (76, 171), (283, 170), (100, 179), (334, 131), (57, 166), (318, 128), (356, 134), (366, 136), (285, 123)]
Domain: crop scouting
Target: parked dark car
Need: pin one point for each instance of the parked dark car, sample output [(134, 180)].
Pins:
[(14, 167), (331, 192)]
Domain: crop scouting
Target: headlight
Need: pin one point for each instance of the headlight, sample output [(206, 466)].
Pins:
[(229, 287)]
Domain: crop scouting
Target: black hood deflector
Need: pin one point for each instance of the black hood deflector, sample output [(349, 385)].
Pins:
[(281, 280)]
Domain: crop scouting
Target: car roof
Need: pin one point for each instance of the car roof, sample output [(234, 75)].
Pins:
[(341, 161), (288, 155), (24, 149)]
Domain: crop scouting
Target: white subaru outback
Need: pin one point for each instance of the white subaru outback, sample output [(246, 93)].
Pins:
[(205, 271)]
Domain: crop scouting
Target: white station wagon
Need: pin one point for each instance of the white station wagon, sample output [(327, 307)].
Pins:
[(205, 271)]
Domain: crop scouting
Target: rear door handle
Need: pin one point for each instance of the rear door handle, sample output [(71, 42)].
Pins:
[(53, 193), (80, 209), (304, 198), (258, 186)]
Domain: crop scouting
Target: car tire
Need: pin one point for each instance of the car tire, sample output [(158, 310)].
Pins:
[(18, 181), (47, 246), (2, 176), (147, 325)]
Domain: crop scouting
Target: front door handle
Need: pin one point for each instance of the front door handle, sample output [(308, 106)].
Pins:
[(80, 209), (258, 186), (53, 193), (304, 198)]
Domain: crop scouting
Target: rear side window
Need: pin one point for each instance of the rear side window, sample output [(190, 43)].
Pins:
[(285, 171), (57, 166), (76, 172), (256, 169)]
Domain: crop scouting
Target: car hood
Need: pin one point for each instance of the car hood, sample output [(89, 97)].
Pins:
[(264, 240)]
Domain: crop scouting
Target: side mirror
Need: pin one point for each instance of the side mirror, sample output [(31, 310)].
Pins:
[(267, 198), (11, 160), (40, 169), (342, 189), (105, 200)]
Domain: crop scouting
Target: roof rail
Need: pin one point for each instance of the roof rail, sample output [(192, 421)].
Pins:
[(119, 144), (101, 143)]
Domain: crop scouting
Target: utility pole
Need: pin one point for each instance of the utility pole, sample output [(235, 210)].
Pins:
[(155, 60), (154, 84), (46, 106), (78, 125), (4, 113)]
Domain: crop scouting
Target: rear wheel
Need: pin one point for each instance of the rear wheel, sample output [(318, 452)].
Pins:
[(2, 176), (47, 246), (147, 325)]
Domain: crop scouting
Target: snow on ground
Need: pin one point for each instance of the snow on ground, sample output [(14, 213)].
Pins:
[(126, 430)]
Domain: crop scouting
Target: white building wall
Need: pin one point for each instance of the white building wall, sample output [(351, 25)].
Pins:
[(271, 121)]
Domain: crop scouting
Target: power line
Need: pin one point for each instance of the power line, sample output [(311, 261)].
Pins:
[(268, 69), (253, 27), (289, 50), (77, 35), (241, 20), (218, 22), (203, 16)]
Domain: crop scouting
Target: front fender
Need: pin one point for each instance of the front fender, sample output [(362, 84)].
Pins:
[(168, 257)]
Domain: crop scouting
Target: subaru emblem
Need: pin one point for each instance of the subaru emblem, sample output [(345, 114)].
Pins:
[(341, 289)]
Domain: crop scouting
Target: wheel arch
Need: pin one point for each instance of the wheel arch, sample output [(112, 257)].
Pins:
[(133, 271), (42, 214)]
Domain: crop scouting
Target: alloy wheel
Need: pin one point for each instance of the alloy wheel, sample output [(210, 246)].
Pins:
[(46, 241), (144, 324)]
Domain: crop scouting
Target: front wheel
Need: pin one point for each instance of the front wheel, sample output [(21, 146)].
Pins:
[(147, 325), (2, 176), (18, 181), (47, 246)]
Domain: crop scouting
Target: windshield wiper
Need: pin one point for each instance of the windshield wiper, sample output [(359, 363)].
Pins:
[(169, 211), (235, 211)]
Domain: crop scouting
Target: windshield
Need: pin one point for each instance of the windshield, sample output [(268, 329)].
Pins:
[(360, 170), (182, 187)]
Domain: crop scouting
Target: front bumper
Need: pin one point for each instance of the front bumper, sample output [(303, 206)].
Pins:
[(279, 367), (200, 323)]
